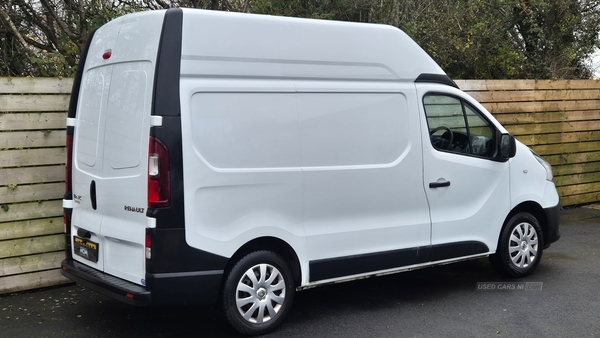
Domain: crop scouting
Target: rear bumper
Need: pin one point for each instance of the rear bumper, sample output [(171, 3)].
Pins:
[(106, 284), (186, 288), (553, 221)]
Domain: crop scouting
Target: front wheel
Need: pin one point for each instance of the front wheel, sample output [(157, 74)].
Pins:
[(258, 293), (520, 246)]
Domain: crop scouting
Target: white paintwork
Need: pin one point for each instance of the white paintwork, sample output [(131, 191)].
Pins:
[(222, 44), (339, 174), (68, 204), (313, 133), (111, 142), (155, 121), (474, 206), (275, 153), (524, 186)]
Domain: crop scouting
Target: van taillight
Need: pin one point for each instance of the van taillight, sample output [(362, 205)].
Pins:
[(148, 246), (69, 164), (159, 187), (68, 183), (67, 222)]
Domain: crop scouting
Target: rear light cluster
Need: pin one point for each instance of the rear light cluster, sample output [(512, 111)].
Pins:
[(159, 186), (148, 246), (68, 182), (67, 222), (69, 166)]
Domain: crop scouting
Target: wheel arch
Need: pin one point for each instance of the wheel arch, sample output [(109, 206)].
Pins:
[(275, 245), (536, 210)]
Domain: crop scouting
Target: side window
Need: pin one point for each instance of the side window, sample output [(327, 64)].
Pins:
[(455, 126)]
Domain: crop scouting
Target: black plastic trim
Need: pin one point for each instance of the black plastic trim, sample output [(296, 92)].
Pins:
[(93, 194), (444, 251), (171, 254), (68, 212), (434, 185), (78, 76), (190, 288), (170, 251), (106, 284), (193, 288), (423, 254), (553, 221), (70, 131), (353, 265), (165, 103), (436, 78), (168, 66)]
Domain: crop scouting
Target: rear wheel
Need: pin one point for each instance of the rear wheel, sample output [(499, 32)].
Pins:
[(520, 246), (258, 293)]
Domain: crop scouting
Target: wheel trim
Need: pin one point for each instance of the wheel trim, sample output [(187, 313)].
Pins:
[(260, 293), (523, 245)]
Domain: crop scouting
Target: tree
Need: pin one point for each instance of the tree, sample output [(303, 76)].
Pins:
[(477, 38), (470, 39), (556, 37), (46, 37)]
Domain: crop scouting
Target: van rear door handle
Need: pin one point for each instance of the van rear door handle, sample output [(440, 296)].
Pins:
[(439, 184), (93, 194)]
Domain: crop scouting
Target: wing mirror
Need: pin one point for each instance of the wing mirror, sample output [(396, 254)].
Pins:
[(507, 147)]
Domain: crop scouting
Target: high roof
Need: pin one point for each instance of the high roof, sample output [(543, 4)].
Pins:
[(223, 44)]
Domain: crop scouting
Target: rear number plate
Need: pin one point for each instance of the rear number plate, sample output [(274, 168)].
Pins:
[(85, 248)]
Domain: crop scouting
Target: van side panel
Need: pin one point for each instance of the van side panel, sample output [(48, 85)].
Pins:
[(307, 140), (336, 173), (241, 182), (362, 172), (246, 130)]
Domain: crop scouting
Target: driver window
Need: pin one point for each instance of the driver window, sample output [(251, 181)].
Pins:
[(455, 126)]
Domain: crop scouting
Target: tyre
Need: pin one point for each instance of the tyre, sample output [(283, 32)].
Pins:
[(258, 293), (520, 246)]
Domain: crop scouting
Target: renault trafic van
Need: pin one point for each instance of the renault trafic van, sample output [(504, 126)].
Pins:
[(238, 158)]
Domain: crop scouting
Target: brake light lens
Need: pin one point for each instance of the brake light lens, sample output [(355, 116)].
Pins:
[(68, 182), (107, 54), (69, 164), (148, 246), (159, 186), (67, 222)]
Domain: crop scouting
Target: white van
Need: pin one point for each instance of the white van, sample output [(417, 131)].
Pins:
[(238, 158)]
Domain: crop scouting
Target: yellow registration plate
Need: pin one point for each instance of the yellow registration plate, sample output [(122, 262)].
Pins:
[(85, 248)]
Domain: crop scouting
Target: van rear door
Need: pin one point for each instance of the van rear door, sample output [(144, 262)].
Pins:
[(110, 152)]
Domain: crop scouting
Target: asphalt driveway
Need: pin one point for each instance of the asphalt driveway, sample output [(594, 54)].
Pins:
[(561, 299)]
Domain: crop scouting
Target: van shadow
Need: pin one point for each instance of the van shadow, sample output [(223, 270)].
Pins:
[(389, 292), (323, 304)]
